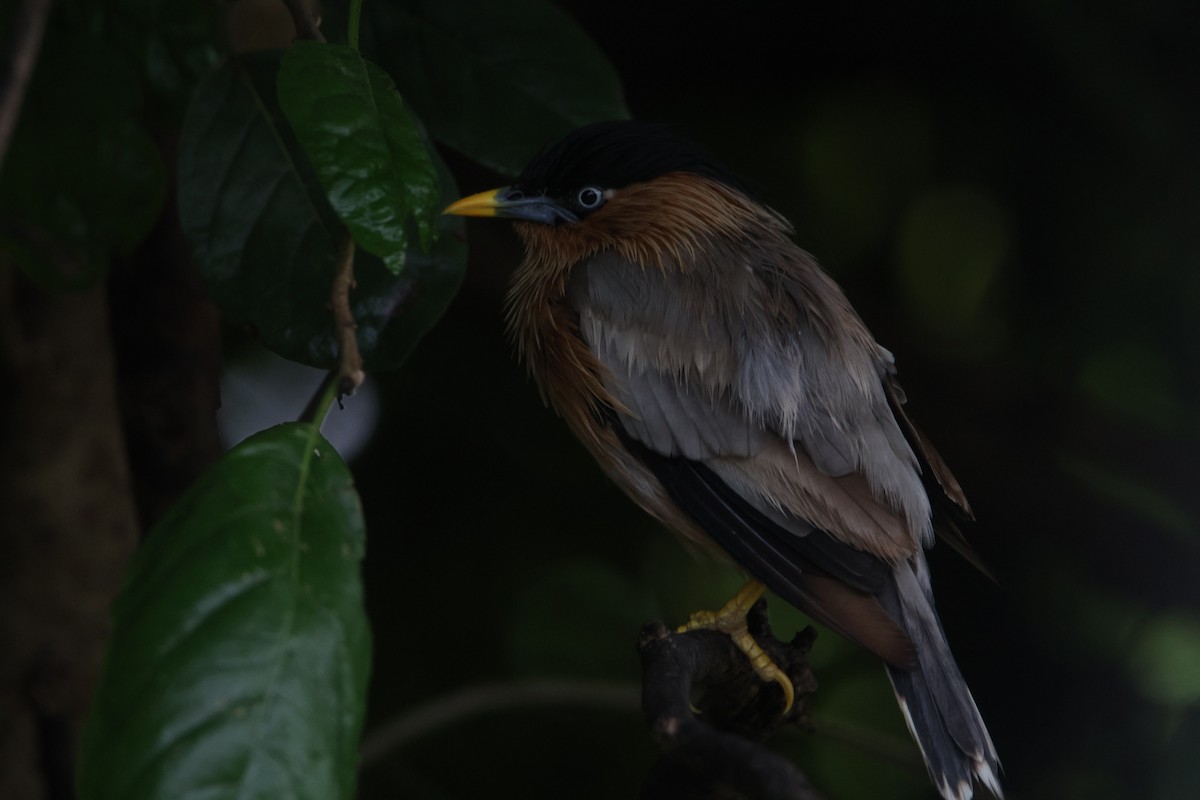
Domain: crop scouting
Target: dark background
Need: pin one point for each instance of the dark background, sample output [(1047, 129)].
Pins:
[(1008, 194)]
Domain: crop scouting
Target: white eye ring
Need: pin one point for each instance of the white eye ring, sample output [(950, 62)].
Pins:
[(589, 197)]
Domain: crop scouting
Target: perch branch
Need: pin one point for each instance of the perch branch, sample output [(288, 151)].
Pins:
[(720, 748)]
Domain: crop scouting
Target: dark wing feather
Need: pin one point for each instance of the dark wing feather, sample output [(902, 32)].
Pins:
[(949, 502), (931, 461), (834, 583)]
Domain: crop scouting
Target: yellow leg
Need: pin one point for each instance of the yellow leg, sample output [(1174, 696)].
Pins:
[(731, 621)]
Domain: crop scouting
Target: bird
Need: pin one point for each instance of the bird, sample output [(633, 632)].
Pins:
[(722, 379)]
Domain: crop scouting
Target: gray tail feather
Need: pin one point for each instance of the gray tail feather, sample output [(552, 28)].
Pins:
[(934, 698)]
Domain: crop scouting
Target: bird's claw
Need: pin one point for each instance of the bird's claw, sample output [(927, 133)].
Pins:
[(731, 621)]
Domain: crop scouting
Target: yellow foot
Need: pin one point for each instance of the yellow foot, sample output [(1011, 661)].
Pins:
[(731, 621)]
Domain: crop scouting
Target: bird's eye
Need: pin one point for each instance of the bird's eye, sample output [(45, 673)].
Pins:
[(589, 197)]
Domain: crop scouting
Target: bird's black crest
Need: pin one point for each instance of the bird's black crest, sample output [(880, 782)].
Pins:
[(614, 154)]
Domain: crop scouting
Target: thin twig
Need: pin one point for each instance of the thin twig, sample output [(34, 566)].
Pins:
[(476, 700), (28, 29), (307, 23), (350, 371)]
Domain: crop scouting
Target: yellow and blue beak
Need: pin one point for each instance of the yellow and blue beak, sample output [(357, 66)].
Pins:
[(511, 203)]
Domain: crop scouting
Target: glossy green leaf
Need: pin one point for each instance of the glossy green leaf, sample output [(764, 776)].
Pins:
[(265, 246), (365, 146), (239, 658), (265, 238), (493, 80)]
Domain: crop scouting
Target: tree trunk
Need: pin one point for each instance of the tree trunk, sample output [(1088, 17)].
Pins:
[(68, 525)]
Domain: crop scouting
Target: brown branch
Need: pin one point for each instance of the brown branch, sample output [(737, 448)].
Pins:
[(70, 523), (350, 371), (29, 27), (308, 24), (167, 338), (718, 750)]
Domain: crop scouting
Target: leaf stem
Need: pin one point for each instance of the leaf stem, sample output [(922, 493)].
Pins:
[(322, 399), (353, 23)]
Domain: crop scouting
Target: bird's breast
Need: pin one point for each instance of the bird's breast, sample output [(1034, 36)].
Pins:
[(571, 380), (545, 331)]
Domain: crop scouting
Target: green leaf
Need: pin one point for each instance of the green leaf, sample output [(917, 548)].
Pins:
[(494, 80), (366, 148), (265, 246), (239, 658), (265, 238), (394, 313)]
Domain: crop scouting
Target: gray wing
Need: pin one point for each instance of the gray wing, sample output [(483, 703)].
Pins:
[(727, 364)]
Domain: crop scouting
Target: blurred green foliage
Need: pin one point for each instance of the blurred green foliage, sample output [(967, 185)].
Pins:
[(1140, 382), (951, 247), (862, 151), (84, 180), (1166, 659), (493, 80)]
